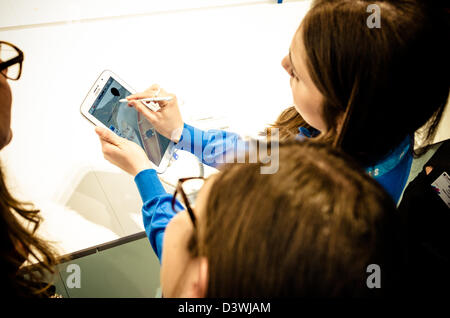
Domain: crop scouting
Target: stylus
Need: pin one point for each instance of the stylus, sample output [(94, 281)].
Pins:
[(152, 99)]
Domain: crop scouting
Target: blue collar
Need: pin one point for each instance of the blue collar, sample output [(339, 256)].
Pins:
[(392, 159), (383, 166), (304, 132)]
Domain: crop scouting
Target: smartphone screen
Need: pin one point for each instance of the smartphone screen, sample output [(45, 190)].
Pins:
[(126, 122)]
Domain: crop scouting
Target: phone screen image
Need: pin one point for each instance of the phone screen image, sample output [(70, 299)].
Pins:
[(126, 122)]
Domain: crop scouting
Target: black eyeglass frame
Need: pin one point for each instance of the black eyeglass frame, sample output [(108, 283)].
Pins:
[(179, 189), (18, 59)]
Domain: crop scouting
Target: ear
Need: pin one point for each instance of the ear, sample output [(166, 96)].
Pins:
[(198, 284)]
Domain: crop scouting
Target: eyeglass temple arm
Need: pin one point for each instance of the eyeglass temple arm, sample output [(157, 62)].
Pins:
[(13, 61)]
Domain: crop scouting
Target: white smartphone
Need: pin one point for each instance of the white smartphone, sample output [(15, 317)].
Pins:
[(101, 106)]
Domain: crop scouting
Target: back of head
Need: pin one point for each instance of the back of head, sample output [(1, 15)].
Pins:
[(311, 229), (390, 80)]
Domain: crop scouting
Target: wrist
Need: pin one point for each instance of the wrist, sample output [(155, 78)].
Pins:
[(141, 168), (176, 134)]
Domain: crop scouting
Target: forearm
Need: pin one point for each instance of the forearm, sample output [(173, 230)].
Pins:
[(212, 147), (157, 208)]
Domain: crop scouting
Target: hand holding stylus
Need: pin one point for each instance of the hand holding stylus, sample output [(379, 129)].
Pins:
[(167, 120)]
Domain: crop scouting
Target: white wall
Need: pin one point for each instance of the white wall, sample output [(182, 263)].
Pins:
[(19, 13)]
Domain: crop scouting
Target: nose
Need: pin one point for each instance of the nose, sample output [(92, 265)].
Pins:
[(285, 63)]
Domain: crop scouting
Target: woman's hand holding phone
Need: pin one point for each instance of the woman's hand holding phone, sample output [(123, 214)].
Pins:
[(123, 153), (167, 121)]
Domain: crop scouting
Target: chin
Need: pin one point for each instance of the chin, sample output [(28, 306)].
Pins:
[(5, 141)]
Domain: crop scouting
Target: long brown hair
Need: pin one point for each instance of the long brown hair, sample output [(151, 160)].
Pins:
[(19, 245), (311, 229), (385, 83)]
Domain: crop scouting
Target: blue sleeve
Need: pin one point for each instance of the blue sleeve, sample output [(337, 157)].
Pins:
[(212, 147), (157, 209)]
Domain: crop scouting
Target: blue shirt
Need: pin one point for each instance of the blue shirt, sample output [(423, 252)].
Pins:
[(211, 146), (157, 209)]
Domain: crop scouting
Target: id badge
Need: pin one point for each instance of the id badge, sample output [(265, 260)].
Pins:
[(442, 187)]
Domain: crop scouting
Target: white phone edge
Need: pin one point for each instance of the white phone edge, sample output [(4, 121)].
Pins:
[(90, 99)]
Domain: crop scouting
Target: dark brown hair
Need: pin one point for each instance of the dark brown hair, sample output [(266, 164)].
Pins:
[(19, 245), (384, 82), (311, 229)]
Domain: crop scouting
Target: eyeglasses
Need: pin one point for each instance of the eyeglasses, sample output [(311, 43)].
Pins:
[(191, 186), (11, 58)]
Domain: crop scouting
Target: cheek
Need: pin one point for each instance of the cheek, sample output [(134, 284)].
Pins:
[(308, 105), (298, 92), (169, 261), (302, 99), (5, 94), (5, 114), (175, 255), (5, 102)]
